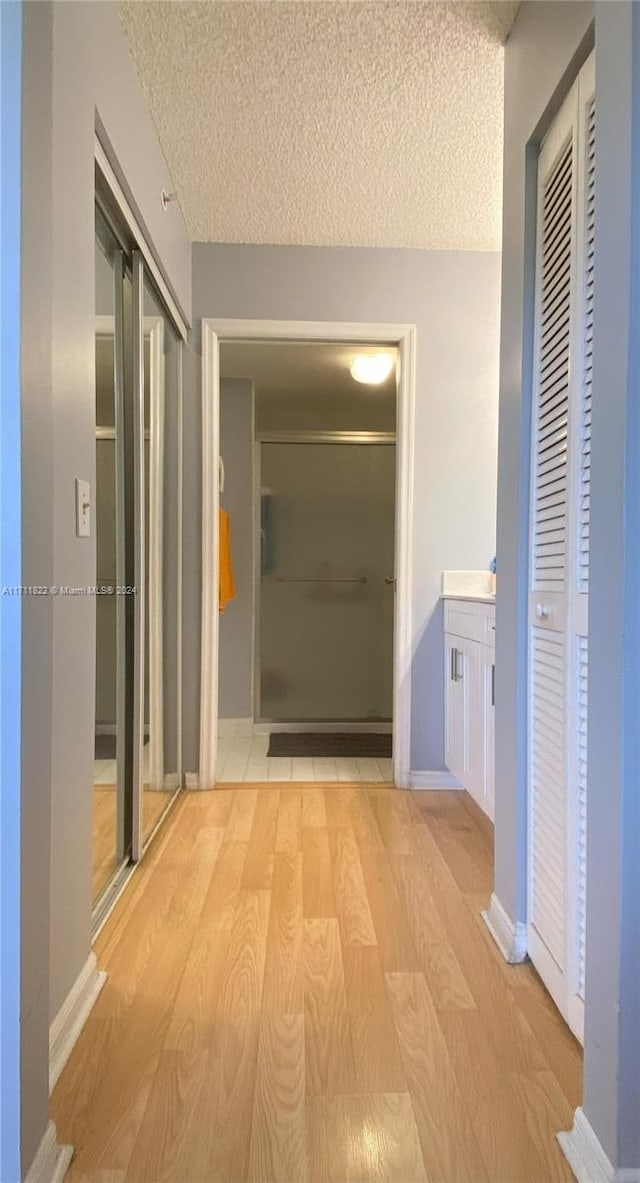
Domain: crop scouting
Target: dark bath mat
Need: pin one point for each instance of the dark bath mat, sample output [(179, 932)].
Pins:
[(364, 745)]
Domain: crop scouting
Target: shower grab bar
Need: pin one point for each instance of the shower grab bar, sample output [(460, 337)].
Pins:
[(355, 579)]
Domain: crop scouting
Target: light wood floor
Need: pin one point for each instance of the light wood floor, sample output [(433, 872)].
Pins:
[(301, 989), (105, 863)]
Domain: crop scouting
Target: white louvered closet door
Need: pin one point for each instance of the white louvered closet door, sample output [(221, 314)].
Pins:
[(559, 551)]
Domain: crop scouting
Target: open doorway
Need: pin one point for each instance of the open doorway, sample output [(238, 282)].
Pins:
[(310, 653)]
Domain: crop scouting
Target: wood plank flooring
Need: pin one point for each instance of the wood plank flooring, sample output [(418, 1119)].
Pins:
[(301, 990)]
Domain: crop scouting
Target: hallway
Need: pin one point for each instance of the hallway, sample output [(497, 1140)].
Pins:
[(300, 987)]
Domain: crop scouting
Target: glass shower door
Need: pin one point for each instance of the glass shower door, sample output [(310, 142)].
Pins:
[(327, 517)]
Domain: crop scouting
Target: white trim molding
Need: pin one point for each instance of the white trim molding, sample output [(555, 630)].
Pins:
[(72, 1016), (191, 780), (210, 546), (51, 1161), (588, 1161), (438, 779), (404, 337), (155, 331), (510, 938)]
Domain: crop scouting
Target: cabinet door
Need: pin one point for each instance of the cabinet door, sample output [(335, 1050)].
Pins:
[(474, 720), (455, 746), (489, 728)]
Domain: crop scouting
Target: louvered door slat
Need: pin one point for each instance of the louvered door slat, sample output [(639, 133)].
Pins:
[(547, 790), (581, 811), (550, 472)]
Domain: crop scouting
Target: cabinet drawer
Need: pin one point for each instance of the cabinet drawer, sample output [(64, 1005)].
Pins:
[(460, 618), (488, 624), (471, 619)]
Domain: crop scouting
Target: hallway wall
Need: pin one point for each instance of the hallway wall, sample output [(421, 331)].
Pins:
[(453, 298), (92, 73), (77, 70)]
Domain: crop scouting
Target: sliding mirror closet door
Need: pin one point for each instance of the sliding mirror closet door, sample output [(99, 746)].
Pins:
[(138, 512), (112, 788)]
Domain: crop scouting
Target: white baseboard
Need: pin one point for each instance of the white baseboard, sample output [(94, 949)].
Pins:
[(51, 1161), (439, 779), (169, 782), (510, 938), (192, 780), (587, 1159), (73, 1015), (235, 728)]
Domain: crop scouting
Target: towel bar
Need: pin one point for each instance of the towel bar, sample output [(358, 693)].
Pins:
[(355, 579)]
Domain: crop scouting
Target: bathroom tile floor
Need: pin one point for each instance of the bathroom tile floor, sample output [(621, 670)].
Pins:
[(244, 760)]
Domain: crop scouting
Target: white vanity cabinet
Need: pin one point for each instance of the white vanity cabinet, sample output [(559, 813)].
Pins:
[(470, 696)]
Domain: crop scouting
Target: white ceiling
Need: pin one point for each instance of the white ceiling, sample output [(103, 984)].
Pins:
[(301, 367), (300, 384), (341, 122)]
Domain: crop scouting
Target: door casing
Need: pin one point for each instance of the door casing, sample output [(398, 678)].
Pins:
[(403, 336)]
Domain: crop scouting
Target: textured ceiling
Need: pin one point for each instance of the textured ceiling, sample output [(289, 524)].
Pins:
[(339, 122)]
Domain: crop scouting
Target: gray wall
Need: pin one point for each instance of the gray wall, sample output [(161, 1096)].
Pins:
[(236, 622), (538, 66), (37, 568), (332, 412), (91, 72), (81, 63), (10, 576), (452, 297), (612, 1019)]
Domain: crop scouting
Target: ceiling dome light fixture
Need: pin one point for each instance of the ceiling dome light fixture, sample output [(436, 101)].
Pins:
[(372, 369)]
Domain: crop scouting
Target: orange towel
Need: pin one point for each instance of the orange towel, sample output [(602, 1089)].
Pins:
[(227, 583)]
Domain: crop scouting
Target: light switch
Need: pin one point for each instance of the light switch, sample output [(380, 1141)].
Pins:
[(83, 508)]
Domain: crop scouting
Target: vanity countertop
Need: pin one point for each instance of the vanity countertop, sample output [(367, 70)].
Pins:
[(469, 585), (486, 598)]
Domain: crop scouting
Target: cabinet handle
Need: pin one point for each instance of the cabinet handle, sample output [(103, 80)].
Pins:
[(459, 667), (493, 685), (452, 671)]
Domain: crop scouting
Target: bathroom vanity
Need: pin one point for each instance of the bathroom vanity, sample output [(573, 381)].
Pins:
[(469, 681)]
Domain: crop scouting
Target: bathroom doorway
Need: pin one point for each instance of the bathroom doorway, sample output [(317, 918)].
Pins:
[(322, 602)]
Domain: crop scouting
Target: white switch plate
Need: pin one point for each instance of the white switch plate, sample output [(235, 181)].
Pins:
[(83, 508)]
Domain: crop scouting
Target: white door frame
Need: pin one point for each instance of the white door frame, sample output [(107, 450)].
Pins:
[(402, 336)]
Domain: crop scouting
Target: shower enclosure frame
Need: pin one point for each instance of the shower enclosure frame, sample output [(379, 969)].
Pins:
[(403, 337), (263, 723)]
